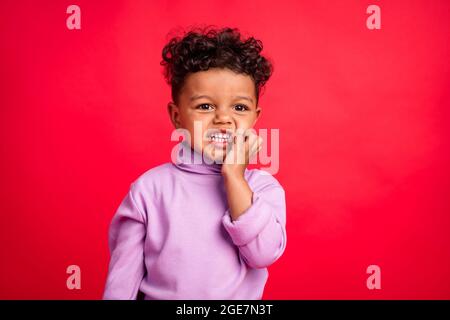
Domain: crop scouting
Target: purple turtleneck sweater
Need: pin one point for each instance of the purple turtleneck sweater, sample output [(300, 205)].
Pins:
[(172, 236)]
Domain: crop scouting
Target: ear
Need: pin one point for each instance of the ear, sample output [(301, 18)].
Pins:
[(174, 114)]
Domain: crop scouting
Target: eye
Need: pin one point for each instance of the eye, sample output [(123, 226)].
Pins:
[(201, 106), (241, 107)]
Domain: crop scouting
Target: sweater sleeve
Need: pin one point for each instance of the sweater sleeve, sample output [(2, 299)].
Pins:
[(260, 232), (126, 245)]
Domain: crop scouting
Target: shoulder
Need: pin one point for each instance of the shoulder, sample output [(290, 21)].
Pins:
[(152, 177), (148, 184), (154, 174)]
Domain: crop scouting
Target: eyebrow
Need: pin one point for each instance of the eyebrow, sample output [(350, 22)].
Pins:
[(195, 97)]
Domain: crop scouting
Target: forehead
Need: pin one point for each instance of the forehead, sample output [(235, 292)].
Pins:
[(218, 83)]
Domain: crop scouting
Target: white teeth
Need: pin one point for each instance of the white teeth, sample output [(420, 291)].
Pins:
[(220, 137)]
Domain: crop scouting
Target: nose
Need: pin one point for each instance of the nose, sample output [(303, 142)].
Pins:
[(222, 116)]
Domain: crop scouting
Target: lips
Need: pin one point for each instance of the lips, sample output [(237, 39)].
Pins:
[(219, 136)]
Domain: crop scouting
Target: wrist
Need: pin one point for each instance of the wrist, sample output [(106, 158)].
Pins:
[(233, 177)]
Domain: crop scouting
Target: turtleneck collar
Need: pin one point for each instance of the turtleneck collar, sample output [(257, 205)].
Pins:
[(188, 159)]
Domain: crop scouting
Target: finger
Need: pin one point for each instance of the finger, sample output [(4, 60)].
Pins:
[(255, 149), (230, 155), (260, 140), (238, 135), (243, 141), (257, 146), (253, 139), (232, 148), (253, 143)]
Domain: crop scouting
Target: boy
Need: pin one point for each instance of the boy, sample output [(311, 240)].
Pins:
[(208, 229)]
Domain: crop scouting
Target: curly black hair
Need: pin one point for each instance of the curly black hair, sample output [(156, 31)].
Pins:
[(203, 48)]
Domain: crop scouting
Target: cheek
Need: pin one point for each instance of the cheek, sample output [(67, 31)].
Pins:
[(196, 127), (247, 122)]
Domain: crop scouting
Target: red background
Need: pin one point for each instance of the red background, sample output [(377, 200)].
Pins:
[(363, 118)]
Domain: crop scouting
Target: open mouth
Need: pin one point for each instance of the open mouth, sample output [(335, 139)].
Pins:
[(219, 138)]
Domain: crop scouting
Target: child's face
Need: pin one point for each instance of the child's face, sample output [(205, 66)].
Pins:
[(218, 99)]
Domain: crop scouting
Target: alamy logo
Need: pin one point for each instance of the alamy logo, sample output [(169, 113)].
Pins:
[(74, 280), (374, 20), (374, 280), (74, 20), (269, 161)]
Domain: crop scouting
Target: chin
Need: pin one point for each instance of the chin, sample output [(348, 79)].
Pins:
[(215, 154), (217, 158)]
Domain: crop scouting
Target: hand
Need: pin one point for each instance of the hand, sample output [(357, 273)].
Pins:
[(244, 145)]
